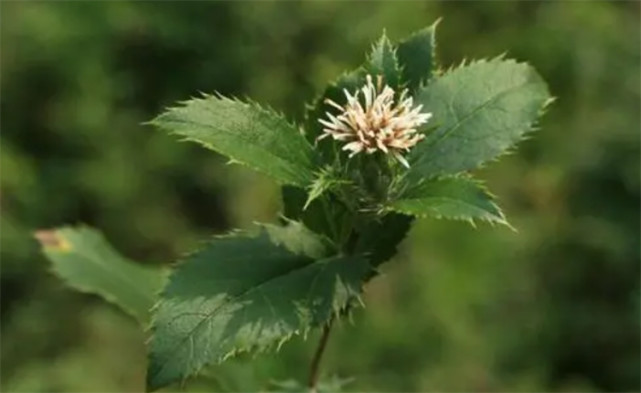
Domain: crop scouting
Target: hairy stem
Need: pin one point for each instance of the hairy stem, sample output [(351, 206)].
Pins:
[(315, 366)]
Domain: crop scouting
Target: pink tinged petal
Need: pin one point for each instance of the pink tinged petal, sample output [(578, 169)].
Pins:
[(355, 146), (398, 144), (343, 137), (383, 124), (401, 159), (324, 135), (326, 123), (333, 118), (351, 100), (381, 145), (335, 105), (367, 93)]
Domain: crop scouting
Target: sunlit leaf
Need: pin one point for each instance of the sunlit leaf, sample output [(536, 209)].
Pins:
[(246, 133), (459, 198), (481, 110), (86, 261)]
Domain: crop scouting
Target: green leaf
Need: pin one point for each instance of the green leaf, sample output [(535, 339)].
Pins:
[(296, 238), (481, 110), (244, 293), (327, 179), (86, 262), (417, 57), (382, 61), (246, 133), (459, 198), (379, 239), (324, 215)]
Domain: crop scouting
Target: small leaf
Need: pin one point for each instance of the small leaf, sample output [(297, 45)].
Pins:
[(417, 56), (244, 293), (382, 61), (327, 179), (246, 133), (481, 110), (86, 262), (459, 198)]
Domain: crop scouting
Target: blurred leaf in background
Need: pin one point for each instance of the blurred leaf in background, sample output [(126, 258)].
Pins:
[(554, 307)]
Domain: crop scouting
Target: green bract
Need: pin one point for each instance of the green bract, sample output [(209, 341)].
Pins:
[(343, 217)]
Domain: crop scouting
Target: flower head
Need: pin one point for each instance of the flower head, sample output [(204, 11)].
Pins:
[(378, 122)]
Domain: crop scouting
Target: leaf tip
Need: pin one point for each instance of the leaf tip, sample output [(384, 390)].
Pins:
[(52, 240)]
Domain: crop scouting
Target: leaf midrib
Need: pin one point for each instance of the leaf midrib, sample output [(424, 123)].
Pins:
[(97, 260), (226, 302), (450, 199), (447, 133), (244, 138)]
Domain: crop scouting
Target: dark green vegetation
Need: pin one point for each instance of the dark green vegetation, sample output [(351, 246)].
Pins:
[(552, 307)]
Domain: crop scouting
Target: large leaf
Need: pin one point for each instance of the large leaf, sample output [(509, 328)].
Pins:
[(242, 293), (417, 56), (481, 110), (459, 198), (246, 133), (86, 261)]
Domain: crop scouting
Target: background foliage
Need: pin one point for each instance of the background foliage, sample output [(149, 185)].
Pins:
[(554, 307)]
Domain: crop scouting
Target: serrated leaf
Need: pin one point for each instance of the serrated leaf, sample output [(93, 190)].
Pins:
[(326, 180), (459, 198), (382, 61), (246, 133), (481, 110), (86, 261), (417, 56), (244, 293)]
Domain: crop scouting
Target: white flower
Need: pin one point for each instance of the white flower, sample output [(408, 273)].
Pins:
[(381, 124)]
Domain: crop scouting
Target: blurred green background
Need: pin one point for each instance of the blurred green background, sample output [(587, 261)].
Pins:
[(554, 307)]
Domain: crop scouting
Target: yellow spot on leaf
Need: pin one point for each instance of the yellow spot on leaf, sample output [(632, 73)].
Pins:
[(52, 240)]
